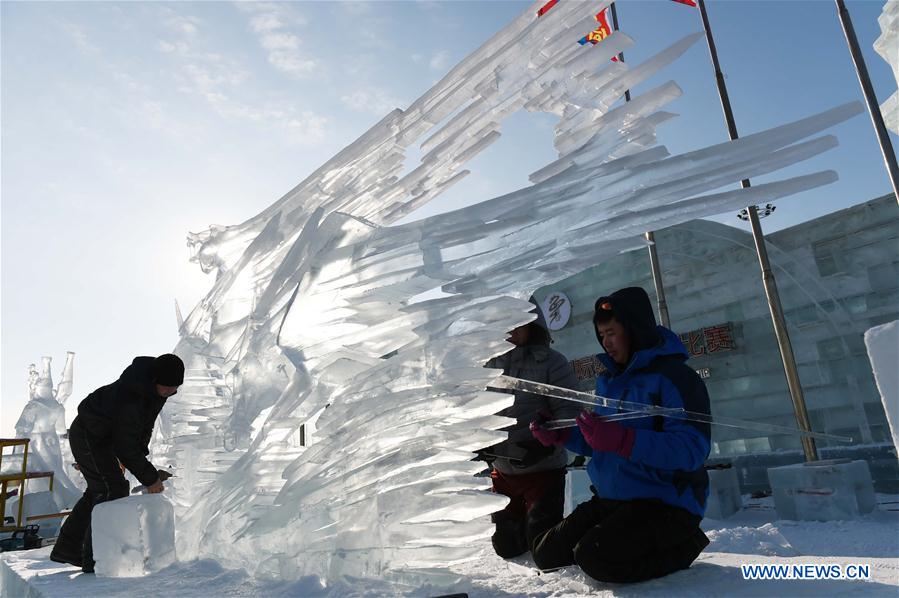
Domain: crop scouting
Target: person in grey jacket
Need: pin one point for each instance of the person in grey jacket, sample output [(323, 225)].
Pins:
[(530, 474)]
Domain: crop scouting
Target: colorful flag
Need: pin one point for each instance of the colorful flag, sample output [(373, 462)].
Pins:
[(687, 2), (600, 33), (552, 3)]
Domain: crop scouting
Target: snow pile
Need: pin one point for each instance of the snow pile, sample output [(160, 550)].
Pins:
[(765, 540), (133, 536), (882, 343), (887, 45)]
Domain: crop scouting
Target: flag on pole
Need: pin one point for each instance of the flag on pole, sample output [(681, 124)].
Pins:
[(545, 8), (601, 32), (687, 2)]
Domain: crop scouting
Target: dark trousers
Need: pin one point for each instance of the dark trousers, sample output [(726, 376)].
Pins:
[(537, 501), (623, 541), (105, 481)]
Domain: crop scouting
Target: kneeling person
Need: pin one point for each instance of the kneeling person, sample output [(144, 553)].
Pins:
[(648, 472), (530, 474)]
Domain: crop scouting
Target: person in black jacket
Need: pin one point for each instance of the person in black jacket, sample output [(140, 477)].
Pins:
[(111, 433), (531, 475)]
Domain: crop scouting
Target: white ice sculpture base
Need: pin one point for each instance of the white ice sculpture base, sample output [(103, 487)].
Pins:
[(831, 490), (133, 536), (724, 494)]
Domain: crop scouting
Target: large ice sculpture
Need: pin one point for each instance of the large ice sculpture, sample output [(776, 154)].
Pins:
[(315, 310), (887, 45), (43, 421)]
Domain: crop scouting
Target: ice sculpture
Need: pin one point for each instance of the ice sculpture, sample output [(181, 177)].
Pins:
[(43, 421), (316, 309), (882, 344), (887, 45)]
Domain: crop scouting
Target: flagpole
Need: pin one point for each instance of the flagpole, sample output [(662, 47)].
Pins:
[(883, 137), (773, 297), (649, 235)]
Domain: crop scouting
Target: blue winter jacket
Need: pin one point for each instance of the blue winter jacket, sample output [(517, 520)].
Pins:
[(668, 454)]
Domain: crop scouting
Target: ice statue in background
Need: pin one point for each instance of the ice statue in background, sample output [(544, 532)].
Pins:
[(43, 421), (887, 45), (315, 311)]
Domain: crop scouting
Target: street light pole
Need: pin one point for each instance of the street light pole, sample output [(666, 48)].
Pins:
[(773, 297)]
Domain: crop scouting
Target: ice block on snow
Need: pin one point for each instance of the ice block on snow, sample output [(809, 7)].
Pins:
[(836, 489), (724, 493), (133, 536)]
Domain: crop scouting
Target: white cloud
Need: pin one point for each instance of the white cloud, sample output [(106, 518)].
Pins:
[(183, 25), (356, 9), (307, 128), (271, 23), (77, 34), (266, 22), (177, 47), (373, 100), (439, 60), (291, 63), (279, 41), (179, 23)]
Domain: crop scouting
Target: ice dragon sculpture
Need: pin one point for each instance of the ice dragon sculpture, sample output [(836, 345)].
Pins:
[(316, 310)]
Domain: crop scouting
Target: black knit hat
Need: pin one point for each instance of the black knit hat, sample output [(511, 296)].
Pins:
[(633, 310), (168, 370)]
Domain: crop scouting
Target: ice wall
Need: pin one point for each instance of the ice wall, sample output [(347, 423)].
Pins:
[(313, 308), (887, 45), (43, 421)]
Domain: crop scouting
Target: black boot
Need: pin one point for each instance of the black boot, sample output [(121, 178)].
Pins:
[(60, 555)]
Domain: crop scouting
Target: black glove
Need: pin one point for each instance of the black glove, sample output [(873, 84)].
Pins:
[(163, 474)]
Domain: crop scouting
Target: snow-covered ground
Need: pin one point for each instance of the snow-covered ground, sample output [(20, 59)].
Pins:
[(753, 536)]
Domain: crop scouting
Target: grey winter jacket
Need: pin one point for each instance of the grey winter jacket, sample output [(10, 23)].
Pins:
[(537, 363)]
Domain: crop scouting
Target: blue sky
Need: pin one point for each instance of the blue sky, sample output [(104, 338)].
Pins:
[(126, 125)]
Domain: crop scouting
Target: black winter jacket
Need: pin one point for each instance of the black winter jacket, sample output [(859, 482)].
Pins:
[(537, 363), (122, 414)]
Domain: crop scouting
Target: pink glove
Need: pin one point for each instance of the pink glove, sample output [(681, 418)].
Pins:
[(610, 437), (548, 437)]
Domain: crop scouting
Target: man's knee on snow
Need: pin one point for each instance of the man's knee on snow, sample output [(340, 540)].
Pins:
[(598, 558)]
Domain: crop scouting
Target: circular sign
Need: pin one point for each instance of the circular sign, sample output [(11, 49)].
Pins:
[(556, 310)]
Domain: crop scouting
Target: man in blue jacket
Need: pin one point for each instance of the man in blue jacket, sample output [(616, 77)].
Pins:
[(647, 473)]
